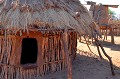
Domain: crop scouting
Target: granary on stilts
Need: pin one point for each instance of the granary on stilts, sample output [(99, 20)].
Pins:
[(102, 18), (39, 36)]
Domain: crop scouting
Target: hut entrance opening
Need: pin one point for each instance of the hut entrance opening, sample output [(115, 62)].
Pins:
[(29, 51)]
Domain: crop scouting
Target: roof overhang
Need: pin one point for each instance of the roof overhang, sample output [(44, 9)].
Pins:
[(107, 5), (113, 6)]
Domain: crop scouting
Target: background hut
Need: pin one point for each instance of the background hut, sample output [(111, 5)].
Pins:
[(39, 36), (102, 18), (100, 13)]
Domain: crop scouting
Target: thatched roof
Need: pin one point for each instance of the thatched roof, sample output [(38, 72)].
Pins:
[(46, 14)]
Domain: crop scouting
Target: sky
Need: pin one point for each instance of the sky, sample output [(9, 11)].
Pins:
[(111, 2)]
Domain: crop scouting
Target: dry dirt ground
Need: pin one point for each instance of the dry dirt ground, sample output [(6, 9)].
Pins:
[(88, 65)]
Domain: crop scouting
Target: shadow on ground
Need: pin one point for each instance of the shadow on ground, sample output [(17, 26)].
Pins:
[(87, 66), (115, 47)]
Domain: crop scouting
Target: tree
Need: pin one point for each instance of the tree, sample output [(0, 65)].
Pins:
[(111, 12)]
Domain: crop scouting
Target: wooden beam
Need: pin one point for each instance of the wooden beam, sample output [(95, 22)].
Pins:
[(66, 51)]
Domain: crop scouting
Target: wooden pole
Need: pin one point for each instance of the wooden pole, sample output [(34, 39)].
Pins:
[(66, 51), (6, 76), (112, 35), (109, 58), (98, 50), (106, 32)]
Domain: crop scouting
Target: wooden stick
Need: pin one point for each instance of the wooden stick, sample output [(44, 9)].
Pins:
[(87, 44), (63, 53), (0, 46), (109, 58), (98, 50), (3, 49)]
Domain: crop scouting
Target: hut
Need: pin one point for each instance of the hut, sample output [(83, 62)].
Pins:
[(100, 13), (40, 36), (102, 18)]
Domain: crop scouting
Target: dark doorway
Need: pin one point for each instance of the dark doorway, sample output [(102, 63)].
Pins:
[(29, 51)]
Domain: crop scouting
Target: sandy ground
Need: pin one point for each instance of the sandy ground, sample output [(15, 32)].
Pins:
[(113, 50), (88, 65)]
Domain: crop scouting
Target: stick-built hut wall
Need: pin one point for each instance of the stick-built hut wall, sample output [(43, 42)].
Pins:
[(50, 56)]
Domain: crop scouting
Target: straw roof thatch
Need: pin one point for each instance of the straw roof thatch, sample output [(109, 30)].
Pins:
[(46, 14)]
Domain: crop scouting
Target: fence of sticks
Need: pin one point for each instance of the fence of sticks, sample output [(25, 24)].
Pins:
[(115, 24)]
